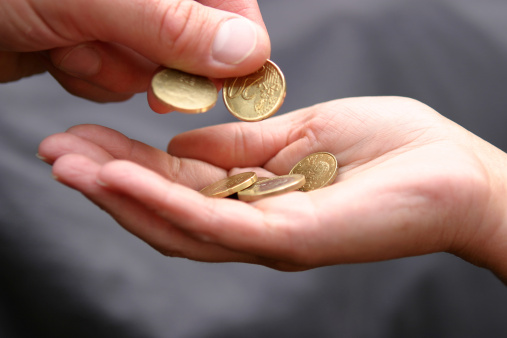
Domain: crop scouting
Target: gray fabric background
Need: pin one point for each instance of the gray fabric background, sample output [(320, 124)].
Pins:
[(68, 270)]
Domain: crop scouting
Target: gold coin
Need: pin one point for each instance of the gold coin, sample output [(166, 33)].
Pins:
[(271, 187), (257, 96), (320, 169), (230, 185), (186, 93)]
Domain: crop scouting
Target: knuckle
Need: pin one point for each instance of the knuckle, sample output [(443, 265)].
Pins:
[(177, 21)]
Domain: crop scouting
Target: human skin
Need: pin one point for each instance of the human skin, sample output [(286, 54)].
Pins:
[(410, 182), (108, 50)]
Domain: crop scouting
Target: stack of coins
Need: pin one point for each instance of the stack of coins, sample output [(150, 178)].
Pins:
[(315, 171), (250, 98)]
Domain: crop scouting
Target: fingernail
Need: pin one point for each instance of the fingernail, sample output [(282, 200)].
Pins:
[(235, 41), (40, 157), (82, 60), (101, 183)]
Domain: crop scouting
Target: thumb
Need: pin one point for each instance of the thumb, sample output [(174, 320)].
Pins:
[(179, 34), (199, 39)]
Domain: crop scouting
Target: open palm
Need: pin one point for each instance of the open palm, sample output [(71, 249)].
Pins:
[(410, 182)]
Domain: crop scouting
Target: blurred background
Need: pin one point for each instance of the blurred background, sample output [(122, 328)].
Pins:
[(67, 269)]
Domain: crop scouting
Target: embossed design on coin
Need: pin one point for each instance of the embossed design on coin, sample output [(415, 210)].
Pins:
[(186, 93), (257, 96), (320, 169), (230, 185), (271, 187)]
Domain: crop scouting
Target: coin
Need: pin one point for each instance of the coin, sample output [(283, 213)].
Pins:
[(320, 169), (230, 185), (186, 93), (271, 187), (257, 96)]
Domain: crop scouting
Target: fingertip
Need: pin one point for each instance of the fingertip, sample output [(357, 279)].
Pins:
[(40, 157), (117, 171), (239, 41), (83, 60), (71, 168), (48, 149), (43, 159)]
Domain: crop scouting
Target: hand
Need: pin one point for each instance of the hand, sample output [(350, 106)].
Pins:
[(107, 50), (410, 182)]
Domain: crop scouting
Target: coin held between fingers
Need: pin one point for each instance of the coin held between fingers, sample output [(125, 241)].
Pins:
[(184, 92), (256, 96)]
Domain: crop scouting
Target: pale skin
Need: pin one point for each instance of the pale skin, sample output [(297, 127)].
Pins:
[(410, 182), (108, 50)]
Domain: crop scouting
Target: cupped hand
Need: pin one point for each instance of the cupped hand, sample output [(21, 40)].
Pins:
[(107, 50), (410, 182)]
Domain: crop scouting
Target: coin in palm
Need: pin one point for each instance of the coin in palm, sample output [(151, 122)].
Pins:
[(230, 185), (271, 187), (320, 169)]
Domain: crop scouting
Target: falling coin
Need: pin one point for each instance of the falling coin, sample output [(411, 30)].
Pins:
[(230, 185), (320, 169), (186, 93), (271, 187), (257, 96)]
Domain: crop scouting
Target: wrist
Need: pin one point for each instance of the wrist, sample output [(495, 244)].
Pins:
[(488, 243)]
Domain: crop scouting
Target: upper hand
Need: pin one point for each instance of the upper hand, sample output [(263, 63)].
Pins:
[(410, 182), (107, 50)]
